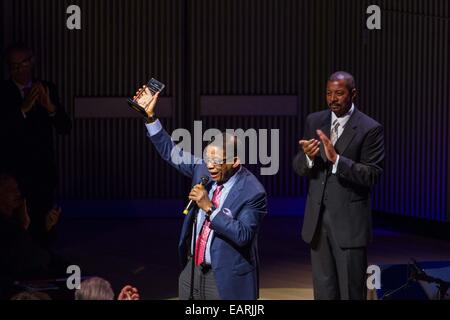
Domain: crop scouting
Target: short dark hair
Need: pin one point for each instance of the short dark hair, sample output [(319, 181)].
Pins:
[(344, 75), (227, 142)]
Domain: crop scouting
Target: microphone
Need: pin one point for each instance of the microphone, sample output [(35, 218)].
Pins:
[(203, 181)]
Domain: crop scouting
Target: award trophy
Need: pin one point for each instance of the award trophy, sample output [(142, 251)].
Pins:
[(139, 103)]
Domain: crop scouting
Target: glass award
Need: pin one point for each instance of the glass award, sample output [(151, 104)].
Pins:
[(139, 103)]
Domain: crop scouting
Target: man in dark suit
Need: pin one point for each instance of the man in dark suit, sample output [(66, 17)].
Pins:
[(341, 170), (230, 210), (30, 113)]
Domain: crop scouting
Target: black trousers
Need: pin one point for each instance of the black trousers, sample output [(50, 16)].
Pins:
[(40, 200), (338, 274)]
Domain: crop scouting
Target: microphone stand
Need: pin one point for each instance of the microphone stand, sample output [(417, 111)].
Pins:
[(406, 284), (193, 245), (203, 181)]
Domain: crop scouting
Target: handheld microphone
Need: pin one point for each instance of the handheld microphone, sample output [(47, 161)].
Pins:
[(203, 181)]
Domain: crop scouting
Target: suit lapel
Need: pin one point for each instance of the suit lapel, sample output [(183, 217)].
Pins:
[(236, 190), (232, 195), (348, 134), (14, 88)]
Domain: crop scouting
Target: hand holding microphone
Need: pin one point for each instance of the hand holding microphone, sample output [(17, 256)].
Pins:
[(199, 196)]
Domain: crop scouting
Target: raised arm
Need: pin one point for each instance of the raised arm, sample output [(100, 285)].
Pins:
[(181, 160)]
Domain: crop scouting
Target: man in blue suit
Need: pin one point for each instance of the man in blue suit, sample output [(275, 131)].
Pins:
[(230, 210)]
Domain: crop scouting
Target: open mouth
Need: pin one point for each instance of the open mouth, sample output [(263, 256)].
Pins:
[(214, 175)]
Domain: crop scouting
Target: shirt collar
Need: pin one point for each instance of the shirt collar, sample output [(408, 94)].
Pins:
[(230, 181), (344, 119), (21, 86)]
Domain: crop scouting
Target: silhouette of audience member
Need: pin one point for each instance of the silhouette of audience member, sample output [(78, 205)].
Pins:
[(30, 114), (31, 296), (97, 288), (20, 257)]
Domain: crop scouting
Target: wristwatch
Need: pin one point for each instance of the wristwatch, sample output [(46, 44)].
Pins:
[(210, 211), (150, 119)]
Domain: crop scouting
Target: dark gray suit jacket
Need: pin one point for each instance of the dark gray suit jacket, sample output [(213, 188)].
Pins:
[(346, 194)]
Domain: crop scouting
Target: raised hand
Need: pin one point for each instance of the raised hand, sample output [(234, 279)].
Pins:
[(128, 293), (52, 218), (30, 99), (328, 146), (44, 98), (310, 148), (146, 100)]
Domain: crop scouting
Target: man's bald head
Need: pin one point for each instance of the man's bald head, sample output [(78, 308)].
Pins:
[(347, 77)]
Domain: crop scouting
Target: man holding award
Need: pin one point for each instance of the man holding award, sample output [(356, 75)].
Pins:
[(228, 204)]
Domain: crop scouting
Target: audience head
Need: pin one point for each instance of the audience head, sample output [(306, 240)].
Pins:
[(95, 289), (20, 60), (31, 296)]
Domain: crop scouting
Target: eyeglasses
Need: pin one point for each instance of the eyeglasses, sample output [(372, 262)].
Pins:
[(218, 161), (22, 64)]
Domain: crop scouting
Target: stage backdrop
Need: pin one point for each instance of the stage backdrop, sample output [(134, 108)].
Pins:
[(208, 50)]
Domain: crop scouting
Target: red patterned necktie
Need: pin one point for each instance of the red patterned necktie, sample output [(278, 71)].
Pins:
[(202, 240)]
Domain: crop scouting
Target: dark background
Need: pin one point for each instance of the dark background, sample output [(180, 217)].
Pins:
[(244, 48)]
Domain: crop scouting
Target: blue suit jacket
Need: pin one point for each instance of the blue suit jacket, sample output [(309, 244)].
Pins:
[(234, 248)]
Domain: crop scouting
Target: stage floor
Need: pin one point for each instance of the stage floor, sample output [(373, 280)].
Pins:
[(143, 252)]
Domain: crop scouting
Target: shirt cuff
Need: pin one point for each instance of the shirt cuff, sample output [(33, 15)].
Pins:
[(335, 165), (309, 162), (154, 128)]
